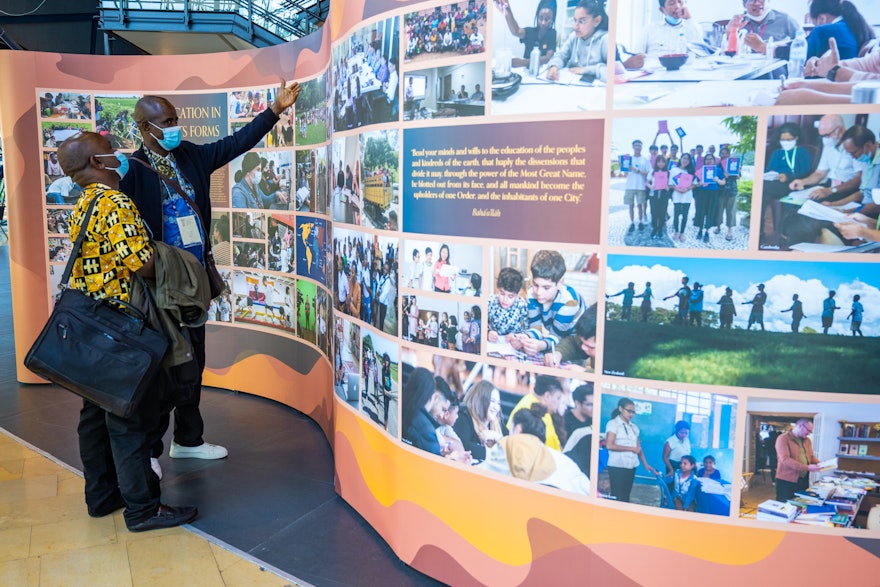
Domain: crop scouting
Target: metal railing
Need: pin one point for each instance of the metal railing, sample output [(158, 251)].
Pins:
[(286, 19)]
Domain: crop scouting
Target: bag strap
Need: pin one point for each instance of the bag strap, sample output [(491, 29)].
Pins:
[(176, 187), (74, 253)]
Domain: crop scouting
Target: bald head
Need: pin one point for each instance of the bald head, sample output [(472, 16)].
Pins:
[(831, 125), (75, 156), (149, 107)]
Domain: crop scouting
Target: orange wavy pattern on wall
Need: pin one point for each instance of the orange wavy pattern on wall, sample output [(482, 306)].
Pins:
[(344, 15), (270, 378), (554, 539)]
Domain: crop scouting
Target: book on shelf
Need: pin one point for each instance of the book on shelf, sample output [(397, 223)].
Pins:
[(844, 449), (776, 511), (849, 430), (863, 450)]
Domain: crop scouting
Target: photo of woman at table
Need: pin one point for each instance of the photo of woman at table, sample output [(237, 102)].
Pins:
[(542, 35), (480, 422), (787, 163), (585, 51)]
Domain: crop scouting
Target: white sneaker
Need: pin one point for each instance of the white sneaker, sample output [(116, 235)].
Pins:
[(157, 468), (203, 451)]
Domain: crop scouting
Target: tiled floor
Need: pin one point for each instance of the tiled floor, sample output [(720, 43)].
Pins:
[(271, 502), (48, 539)]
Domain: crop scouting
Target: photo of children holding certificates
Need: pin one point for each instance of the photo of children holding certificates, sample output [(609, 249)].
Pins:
[(688, 186)]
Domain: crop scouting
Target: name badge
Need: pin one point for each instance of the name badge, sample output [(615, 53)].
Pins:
[(189, 230)]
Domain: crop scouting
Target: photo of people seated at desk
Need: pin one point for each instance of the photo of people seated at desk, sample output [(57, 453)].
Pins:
[(711, 310), (66, 105), (507, 422), (674, 53), (812, 464), (686, 183), (346, 201), (542, 307), (549, 56), (264, 299), (366, 77), (667, 448), (820, 180), (347, 360), (445, 31), (442, 323), (445, 92)]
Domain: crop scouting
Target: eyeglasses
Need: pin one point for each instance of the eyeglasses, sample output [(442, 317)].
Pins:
[(630, 410)]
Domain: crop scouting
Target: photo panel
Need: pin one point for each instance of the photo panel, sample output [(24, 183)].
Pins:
[(306, 310), (442, 323), (483, 415), (448, 30), (687, 186), (366, 272), (380, 152), (324, 321), (322, 180), (436, 266), (237, 125), (68, 105), (366, 76), (810, 463), (819, 183), (221, 230), (249, 254), (312, 240), (267, 300), (304, 194), (251, 103), (347, 360), (567, 73), (220, 308), (281, 243), (542, 309), (346, 202), (114, 118), (667, 448), (59, 250), (450, 91), (56, 220), (379, 392), (249, 225), (743, 322), (55, 133), (262, 180), (310, 124)]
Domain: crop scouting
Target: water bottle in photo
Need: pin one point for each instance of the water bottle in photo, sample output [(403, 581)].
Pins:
[(797, 56)]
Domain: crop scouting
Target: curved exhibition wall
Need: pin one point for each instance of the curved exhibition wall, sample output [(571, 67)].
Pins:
[(407, 179)]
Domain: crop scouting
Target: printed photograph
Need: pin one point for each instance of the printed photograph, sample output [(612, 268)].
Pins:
[(445, 92), (667, 448), (114, 118), (442, 323), (687, 186), (311, 236), (310, 124), (745, 323), (249, 225), (249, 254), (819, 184), (810, 463), (366, 76), (264, 299), (322, 180), (449, 30), (542, 309), (303, 199), (282, 234), (324, 321), (220, 309), (436, 266), (380, 151), (66, 105), (509, 422), (346, 202), (366, 270), (263, 180), (55, 133), (56, 220), (347, 360), (379, 391), (306, 310), (59, 250)]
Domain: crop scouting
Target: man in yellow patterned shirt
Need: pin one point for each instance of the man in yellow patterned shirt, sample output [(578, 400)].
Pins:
[(115, 452)]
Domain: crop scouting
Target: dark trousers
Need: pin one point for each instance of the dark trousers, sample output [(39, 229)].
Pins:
[(659, 204), (679, 221), (621, 482), (188, 423), (785, 489), (115, 454)]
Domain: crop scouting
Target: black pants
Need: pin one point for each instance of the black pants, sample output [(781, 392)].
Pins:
[(621, 482), (115, 454), (188, 424), (659, 205), (785, 489)]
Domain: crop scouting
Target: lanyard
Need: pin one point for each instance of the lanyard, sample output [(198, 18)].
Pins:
[(790, 161)]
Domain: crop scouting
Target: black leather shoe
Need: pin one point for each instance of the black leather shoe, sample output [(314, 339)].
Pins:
[(168, 516)]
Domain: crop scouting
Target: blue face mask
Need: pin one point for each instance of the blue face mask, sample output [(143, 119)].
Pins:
[(172, 137), (864, 158), (123, 163), (672, 20)]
